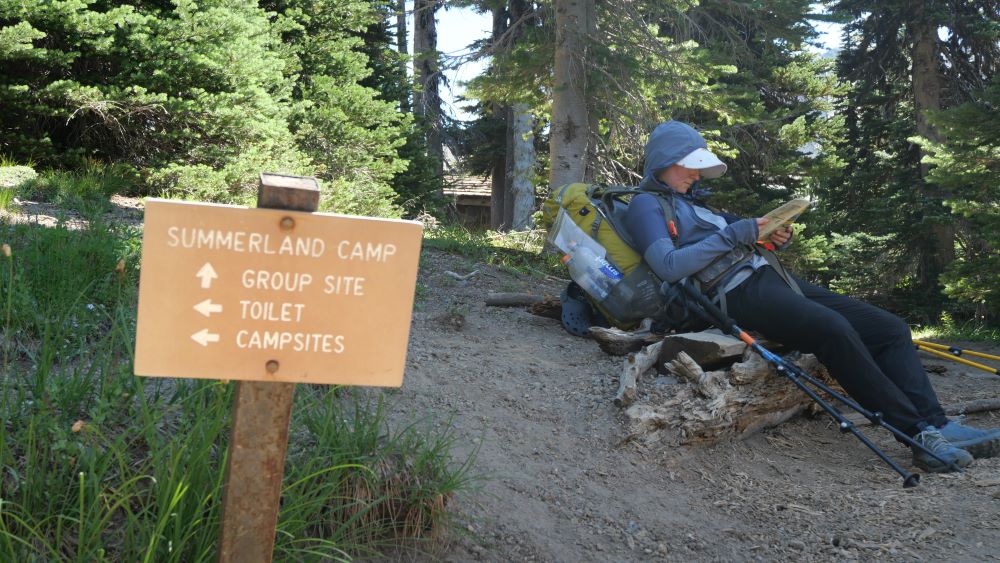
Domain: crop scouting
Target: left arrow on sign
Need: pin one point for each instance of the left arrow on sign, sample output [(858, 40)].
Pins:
[(206, 307), (203, 337), (207, 274)]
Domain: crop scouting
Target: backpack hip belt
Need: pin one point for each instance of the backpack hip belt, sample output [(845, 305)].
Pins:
[(721, 267)]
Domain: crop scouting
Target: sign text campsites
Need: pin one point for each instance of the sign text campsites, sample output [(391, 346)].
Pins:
[(231, 292)]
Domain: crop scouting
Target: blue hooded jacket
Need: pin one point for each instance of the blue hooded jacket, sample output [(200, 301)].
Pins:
[(668, 144), (703, 235)]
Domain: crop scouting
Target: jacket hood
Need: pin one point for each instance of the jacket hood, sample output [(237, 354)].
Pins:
[(668, 144)]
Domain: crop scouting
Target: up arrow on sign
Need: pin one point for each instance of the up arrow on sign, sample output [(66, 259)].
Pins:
[(207, 274)]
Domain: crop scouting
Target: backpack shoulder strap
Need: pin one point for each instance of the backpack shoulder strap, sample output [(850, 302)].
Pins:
[(666, 202), (774, 262)]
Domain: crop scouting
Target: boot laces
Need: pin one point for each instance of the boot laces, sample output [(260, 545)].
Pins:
[(932, 439)]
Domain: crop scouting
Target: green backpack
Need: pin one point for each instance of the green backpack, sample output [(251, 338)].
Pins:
[(598, 210)]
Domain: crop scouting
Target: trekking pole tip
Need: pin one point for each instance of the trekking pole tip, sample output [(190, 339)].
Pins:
[(912, 481)]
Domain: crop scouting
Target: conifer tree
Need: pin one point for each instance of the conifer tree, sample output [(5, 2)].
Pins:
[(427, 75), (200, 97), (901, 70), (967, 163)]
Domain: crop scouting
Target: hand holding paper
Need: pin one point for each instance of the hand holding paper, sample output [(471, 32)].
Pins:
[(782, 217)]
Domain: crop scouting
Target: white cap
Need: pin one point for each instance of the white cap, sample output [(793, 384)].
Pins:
[(709, 164)]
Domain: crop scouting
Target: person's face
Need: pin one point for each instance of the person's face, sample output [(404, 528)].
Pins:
[(679, 178)]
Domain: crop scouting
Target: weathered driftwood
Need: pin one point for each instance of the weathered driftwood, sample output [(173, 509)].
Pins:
[(617, 342), (712, 348), (709, 349), (712, 405), (635, 365)]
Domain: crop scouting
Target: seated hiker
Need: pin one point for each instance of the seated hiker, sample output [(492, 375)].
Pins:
[(867, 350)]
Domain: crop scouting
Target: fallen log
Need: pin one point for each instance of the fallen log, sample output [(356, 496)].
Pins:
[(709, 406), (539, 305), (550, 307), (966, 407), (979, 405)]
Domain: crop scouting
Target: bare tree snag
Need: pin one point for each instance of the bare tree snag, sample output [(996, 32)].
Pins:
[(521, 158)]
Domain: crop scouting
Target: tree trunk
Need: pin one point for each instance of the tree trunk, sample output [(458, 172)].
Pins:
[(427, 98), (928, 84), (402, 49), (523, 160), (519, 191), (498, 177), (575, 21)]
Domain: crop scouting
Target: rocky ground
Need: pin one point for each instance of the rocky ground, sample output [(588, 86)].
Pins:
[(561, 484)]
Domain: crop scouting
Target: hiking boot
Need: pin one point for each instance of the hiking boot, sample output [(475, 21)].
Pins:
[(932, 439), (978, 442)]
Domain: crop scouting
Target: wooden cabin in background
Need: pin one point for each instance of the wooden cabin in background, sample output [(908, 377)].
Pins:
[(470, 197)]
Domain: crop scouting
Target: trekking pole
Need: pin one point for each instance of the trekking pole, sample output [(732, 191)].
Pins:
[(875, 417), (953, 354), (713, 315)]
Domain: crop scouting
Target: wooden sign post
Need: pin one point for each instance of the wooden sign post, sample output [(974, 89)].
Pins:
[(251, 490), (270, 297)]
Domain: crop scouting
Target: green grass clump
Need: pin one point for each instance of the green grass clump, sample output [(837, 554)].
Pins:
[(12, 177), (949, 330), (87, 191), (355, 481), (99, 465), (516, 252)]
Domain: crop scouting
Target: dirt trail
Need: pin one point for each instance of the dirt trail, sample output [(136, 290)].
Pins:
[(537, 403)]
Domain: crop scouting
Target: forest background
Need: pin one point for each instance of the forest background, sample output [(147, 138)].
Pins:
[(895, 139)]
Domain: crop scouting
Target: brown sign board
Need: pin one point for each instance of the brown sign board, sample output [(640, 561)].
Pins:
[(228, 292)]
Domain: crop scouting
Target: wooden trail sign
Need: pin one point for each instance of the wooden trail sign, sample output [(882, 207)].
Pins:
[(271, 296), (237, 293)]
